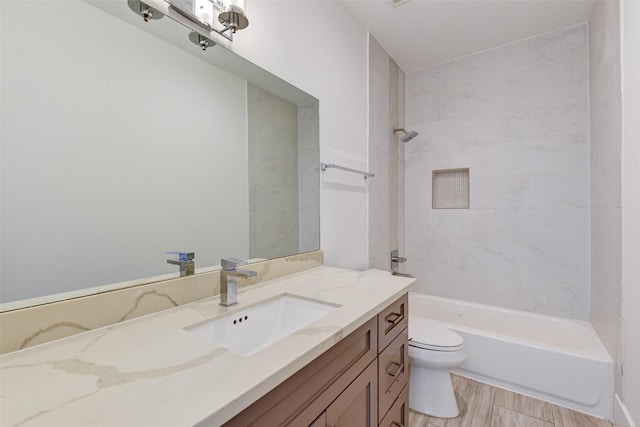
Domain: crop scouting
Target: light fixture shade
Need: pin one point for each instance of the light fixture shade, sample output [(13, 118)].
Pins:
[(201, 11), (233, 15)]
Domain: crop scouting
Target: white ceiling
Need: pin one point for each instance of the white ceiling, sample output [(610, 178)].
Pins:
[(421, 33)]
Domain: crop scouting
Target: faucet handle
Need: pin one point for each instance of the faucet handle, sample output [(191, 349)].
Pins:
[(230, 264)]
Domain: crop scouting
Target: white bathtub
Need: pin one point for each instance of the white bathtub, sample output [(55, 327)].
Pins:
[(550, 358)]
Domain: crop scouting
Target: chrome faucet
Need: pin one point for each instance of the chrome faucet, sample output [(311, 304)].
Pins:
[(229, 280), (396, 259), (185, 261)]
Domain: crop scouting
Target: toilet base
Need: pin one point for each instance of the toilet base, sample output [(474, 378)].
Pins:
[(431, 392)]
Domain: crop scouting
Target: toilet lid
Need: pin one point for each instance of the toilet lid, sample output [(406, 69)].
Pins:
[(431, 335)]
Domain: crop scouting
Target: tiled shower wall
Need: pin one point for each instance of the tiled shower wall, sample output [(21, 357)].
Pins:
[(606, 177), (386, 157), (518, 117)]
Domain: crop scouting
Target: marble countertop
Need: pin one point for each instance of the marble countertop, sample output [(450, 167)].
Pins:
[(150, 371)]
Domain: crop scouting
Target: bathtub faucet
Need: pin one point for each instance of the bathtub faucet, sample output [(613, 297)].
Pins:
[(395, 260)]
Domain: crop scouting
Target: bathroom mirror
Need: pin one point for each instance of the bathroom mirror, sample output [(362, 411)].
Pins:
[(122, 140)]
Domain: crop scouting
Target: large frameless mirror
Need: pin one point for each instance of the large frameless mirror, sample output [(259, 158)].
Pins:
[(123, 140)]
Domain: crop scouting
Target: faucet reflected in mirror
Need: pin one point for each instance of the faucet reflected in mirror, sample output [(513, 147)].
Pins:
[(229, 280), (185, 261)]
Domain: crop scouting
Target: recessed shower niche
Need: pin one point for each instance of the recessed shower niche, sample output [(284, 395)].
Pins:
[(450, 189)]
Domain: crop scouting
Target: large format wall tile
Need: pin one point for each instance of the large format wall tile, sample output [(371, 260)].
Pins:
[(570, 115), (557, 81), (386, 191), (558, 46), (518, 117), (606, 177)]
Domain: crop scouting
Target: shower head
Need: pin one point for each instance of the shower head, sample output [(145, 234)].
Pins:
[(408, 135)]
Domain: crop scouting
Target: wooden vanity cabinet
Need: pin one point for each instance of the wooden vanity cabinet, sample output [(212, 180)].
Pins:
[(321, 421), (392, 320), (393, 364), (350, 385), (301, 399), (398, 415), (358, 404), (393, 372)]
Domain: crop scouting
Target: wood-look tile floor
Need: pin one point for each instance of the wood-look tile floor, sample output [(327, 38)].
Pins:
[(482, 405)]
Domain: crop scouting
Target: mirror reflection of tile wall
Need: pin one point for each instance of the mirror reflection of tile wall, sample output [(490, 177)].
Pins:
[(283, 185), (308, 177)]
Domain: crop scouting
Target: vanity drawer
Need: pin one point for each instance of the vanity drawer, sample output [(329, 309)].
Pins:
[(398, 415), (299, 400), (392, 320), (393, 372)]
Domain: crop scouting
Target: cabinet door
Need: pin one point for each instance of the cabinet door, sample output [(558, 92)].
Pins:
[(357, 406)]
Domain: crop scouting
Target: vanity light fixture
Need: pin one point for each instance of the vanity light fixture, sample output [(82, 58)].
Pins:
[(224, 17), (233, 16), (230, 13)]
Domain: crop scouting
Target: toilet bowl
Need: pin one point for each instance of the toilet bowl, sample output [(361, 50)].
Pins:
[(433, 350)]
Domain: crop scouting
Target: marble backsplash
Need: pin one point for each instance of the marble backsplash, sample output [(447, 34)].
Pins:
[(30, 326)]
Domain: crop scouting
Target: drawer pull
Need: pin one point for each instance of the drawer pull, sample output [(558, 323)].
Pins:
[(395, 424), (394, 318), (400, 368)]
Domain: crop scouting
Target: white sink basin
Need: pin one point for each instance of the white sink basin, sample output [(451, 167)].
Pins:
[(247, 331)]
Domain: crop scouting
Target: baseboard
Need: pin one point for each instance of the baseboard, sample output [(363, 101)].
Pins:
[(621, 416)]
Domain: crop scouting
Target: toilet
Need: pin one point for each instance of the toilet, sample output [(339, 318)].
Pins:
[(433, 350)]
